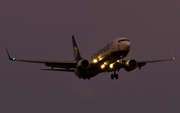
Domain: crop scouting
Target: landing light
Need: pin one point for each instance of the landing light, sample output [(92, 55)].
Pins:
[(105, 63), (95, 60), (100, 59), (118, 60), (111, 66), (102, 66)]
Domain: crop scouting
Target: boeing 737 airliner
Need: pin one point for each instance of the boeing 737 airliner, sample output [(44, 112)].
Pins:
[(109, 58)]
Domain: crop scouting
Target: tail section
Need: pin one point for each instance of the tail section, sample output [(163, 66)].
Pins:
[(77, 55)]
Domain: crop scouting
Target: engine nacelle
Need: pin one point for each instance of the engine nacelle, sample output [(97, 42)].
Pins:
[(83, 63), (130, 65)]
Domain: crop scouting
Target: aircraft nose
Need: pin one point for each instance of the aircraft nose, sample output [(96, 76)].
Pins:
[(125, 46)]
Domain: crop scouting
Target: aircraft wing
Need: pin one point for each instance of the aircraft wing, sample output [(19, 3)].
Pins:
[(71, 70), (152, 61), (53, 64), (142, 63)]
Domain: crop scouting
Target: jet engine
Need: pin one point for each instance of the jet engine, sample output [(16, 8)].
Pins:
[(83, 64), (130, 65)]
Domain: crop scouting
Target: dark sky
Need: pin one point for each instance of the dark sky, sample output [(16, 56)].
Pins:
[(42, 29)]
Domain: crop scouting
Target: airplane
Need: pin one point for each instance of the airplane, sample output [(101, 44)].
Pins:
[(109, 58)]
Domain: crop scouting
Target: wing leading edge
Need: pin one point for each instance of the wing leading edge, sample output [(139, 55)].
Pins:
[(119, 65), (152, 61), (66, 65), (142, 63)]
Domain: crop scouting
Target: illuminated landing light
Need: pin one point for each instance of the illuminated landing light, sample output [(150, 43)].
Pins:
[(95, 60), (105, 63), (111, 66), (102, 66), (100, 59), (118, 60)]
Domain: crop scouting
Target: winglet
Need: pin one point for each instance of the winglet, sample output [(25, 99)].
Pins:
[(173, 55), (9, 56)]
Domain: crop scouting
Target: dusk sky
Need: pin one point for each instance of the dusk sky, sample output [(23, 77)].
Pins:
[(42, 30)]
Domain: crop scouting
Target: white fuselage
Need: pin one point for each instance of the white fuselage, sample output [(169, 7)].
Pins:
[(104, 58), (113, 46)]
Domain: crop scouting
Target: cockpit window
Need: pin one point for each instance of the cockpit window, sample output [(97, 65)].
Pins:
[(123, 40)]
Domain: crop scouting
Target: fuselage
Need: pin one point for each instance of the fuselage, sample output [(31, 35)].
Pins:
[(104, 59)]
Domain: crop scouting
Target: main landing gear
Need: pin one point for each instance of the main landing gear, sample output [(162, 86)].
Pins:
[(86, 78), (114, 76)]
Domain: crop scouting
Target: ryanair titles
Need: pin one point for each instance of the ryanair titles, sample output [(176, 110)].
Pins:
[(101, 51)]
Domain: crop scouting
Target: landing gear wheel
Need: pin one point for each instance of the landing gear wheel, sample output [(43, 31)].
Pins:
[(112, 76), (116, 76), (84, 78)]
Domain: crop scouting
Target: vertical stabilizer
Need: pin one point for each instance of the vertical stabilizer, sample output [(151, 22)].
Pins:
[(77, 55)]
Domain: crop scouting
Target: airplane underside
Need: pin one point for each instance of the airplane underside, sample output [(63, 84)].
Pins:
[(95, 69), (85, 74), (90, 74)]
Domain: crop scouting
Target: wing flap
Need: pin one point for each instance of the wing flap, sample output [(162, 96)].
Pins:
[(71, 70)]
